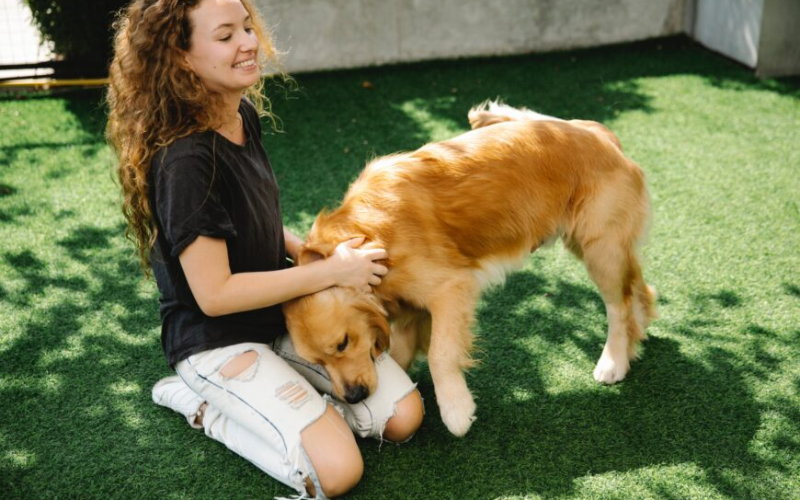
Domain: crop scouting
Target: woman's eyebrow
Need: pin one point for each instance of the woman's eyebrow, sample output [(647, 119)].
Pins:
[(229, 25)]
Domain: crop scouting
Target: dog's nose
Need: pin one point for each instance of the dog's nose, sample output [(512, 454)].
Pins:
[(354, 394)]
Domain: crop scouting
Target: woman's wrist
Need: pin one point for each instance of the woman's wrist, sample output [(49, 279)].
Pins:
[(327, 271)]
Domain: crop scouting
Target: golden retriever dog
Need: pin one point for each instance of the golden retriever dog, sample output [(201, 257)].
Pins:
[(456, 217)]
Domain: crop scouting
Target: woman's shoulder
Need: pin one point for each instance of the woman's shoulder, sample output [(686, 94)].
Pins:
[(250, 116), (248, 105), (249, 111), (193, 146)]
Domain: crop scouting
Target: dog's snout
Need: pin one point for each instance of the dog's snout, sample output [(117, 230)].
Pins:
[(355, 393)]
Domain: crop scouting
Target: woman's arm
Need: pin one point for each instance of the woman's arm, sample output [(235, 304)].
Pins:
[(218, 292)]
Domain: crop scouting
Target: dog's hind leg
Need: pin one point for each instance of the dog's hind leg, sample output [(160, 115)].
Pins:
[(452, 313), (614, 267), (644, 304)]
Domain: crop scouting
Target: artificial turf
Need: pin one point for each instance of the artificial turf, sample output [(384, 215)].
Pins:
[(710, 411)]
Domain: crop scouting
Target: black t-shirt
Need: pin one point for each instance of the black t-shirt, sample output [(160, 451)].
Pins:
[(204, 184)]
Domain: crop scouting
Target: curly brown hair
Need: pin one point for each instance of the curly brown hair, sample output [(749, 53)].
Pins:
[(154, 99)]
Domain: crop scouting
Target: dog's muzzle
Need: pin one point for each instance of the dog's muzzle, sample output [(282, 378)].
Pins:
[(355, 393)]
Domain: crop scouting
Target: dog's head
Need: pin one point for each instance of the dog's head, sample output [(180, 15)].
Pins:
[(343, 330)]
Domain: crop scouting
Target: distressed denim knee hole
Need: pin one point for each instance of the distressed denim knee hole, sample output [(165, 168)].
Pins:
[(242, 367)]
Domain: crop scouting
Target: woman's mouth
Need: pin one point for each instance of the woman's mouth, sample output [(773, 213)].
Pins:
[(245, 64)]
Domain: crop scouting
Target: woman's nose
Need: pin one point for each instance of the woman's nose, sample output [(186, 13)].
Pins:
[(248, 42)]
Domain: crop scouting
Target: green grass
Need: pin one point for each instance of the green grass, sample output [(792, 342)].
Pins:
[(710, 411)]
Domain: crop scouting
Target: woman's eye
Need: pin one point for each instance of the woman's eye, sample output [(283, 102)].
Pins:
[(225, 39), (341, 347)]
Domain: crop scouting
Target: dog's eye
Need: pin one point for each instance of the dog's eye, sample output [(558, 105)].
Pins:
[(341, 347)]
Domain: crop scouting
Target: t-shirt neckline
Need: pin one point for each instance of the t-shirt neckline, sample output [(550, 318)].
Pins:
[(244, 127)]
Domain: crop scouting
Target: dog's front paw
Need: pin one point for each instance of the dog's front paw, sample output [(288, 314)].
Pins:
[(609, 371), (458, 412)]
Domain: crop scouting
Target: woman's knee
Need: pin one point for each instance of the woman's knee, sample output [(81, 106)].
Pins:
[(333, 452), (407, 418)]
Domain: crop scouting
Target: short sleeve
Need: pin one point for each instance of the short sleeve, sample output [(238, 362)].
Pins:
[(188, 203)]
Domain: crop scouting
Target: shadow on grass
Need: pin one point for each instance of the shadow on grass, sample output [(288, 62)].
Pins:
[(86, 107), (83, 142), (13, 212), (37, 278), (530, 439), (9, 154), (724, 298), (791, 289), (80, 371), (670, 410), (6, 190)]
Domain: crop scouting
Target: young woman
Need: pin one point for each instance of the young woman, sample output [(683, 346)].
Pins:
[(201, 203)]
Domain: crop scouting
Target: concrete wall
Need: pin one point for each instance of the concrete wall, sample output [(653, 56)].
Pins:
[(332, 34), (732, 27), (762, 34), (779, 44)]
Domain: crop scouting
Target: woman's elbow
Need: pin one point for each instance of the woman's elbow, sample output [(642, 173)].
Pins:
[(210, 306)]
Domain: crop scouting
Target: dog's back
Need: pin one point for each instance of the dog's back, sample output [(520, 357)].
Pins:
[(491, 112), (501, 189)]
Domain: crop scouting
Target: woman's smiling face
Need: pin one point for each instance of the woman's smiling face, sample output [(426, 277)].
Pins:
[(223, 48)]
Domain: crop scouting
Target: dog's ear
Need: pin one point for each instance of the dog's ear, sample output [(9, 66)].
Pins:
[(378, 322), (313, 252), (383, 336)]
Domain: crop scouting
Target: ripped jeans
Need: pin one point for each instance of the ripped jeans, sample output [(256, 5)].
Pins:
[(260, 413)]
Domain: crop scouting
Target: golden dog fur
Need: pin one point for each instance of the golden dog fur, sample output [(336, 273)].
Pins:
[(457, 216)]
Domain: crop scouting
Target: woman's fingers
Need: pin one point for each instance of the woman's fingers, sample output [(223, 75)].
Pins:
[(357, 266), (375, 254), (355, 242)]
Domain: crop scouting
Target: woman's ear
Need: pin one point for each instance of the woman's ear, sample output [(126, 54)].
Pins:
[(183, 60)]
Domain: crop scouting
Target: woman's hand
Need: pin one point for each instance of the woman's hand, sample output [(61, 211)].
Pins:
[(354, 267)]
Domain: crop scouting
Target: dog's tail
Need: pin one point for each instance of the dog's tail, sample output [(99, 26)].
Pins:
[(491, 112)]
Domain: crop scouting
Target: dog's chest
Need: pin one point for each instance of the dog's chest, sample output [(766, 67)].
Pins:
[(492, 271)]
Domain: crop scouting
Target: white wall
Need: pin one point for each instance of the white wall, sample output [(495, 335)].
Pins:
[(330, 34), (732, 27)]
